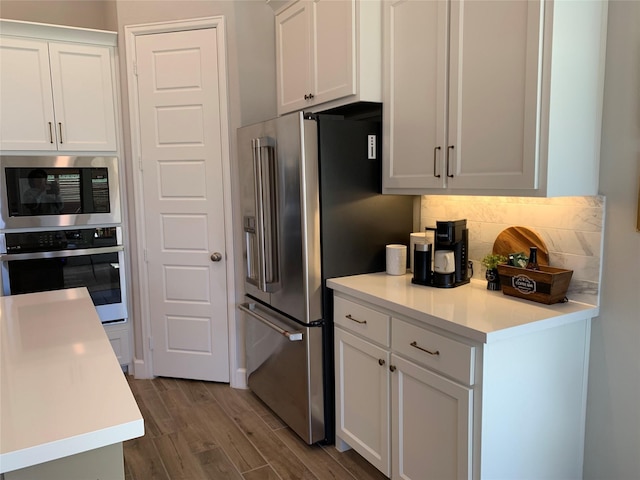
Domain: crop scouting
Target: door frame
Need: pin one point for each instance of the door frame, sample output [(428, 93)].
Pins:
[(143, 367)]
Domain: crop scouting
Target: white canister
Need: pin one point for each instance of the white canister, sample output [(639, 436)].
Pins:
[(396, 259)]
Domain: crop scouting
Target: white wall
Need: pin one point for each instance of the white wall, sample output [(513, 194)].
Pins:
[(97, 14), (612, 448)]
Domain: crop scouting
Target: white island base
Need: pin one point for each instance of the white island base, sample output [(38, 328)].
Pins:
[(106, 463), (65, 405)]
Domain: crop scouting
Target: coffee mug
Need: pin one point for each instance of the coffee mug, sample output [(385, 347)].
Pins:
[(444, 261)]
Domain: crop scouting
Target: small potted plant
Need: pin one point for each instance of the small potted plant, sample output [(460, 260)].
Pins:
[(491, 262)]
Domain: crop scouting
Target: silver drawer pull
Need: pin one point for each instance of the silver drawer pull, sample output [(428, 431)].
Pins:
[(355, 319), (415, 344)]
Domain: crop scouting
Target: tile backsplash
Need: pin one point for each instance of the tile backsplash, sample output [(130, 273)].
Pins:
[(571, 227)]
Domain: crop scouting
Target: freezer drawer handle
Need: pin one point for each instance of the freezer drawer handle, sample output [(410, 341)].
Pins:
[(292, 336), (415, 345), (362, 322)]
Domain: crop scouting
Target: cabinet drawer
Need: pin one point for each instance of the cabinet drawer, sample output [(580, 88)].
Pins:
[(439, 353), (362, 320)]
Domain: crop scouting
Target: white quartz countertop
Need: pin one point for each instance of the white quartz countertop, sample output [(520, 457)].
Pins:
[(62, 390), (468, 310)]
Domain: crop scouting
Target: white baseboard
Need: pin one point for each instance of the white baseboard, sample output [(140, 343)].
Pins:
[(239, 380), (140, 369)]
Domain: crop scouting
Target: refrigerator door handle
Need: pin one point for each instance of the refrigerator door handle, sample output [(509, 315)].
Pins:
[(249, 309), (266, 213)]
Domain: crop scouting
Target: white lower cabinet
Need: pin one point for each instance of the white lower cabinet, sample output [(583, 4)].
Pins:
[(362, 397), (406, 420), (421, 402), (431, 424)]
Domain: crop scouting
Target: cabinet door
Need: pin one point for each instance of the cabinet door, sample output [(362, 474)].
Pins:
[(334, 50), (293, 57), (26, 102), (493, 97), (432, 424), (83, 97), (415, 65), (119, 338), (362, 398)]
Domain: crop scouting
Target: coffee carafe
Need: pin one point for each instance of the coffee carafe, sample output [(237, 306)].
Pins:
[(450, 265)]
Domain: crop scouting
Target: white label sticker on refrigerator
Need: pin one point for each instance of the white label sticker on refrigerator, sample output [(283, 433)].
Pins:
[(371, 147)]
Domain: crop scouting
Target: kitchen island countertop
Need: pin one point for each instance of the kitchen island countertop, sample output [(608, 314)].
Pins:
[(469, 310), (62, 389)]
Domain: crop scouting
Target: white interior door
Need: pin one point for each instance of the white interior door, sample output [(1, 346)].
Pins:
[(181, 160)]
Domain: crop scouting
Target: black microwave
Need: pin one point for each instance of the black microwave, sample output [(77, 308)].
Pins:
[(58, 191)]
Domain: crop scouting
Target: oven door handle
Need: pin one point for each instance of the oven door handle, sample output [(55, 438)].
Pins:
[(7, 257)]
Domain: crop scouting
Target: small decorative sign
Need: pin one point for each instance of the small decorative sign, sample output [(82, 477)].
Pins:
[(523, 284)]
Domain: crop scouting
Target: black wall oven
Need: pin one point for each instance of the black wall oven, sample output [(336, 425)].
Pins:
[(36, 261), (63, 191)]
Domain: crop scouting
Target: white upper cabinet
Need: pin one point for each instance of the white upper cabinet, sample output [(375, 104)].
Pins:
[(492, 98), (26, 99), (328, 53), (56, 96)]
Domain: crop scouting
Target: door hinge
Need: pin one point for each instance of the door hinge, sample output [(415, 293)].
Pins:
[(140, 164), (150, 343), (135, 68)]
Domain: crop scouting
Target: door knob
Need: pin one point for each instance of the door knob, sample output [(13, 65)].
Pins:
[(216, 256)]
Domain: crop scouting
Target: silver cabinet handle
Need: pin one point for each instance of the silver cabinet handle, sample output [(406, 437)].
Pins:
[(50, 132), (449, 148), (60, 128), (216, 256), (249, 310), (435, 155), (362, 322), (415, 345)]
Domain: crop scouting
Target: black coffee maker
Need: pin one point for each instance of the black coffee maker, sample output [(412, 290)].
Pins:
[(451, 253)]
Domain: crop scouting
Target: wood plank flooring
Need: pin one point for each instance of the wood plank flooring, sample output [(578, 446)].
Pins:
[(202, 430)]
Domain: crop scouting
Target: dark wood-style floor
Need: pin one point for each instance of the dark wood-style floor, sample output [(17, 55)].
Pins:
[(201, 430)]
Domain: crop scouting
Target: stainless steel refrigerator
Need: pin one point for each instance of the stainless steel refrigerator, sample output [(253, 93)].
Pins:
[(312, 210)]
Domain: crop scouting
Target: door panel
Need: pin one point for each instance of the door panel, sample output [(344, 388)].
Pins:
[(183, 202), (293, 40), (432, 429), (334, 50), (362, 398), (284, 369), (294, 180), (495, 75), (26, 100), (81, 79), (416, 70)]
